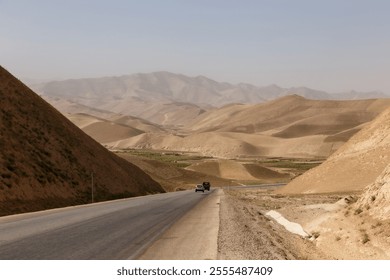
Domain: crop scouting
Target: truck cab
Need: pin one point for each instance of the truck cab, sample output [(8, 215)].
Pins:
[(206, 185)]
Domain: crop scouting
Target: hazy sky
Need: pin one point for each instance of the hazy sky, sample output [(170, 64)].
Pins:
[(333, 45)]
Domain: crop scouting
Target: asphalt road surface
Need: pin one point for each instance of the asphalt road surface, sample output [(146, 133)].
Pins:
[(120, 229)]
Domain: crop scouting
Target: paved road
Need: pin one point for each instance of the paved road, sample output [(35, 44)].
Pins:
[(120, 229), (193, 237)]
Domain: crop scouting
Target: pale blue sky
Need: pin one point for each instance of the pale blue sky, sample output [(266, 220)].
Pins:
[(329, 45)]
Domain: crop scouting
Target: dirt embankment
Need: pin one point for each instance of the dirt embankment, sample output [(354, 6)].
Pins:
[(338, 226)]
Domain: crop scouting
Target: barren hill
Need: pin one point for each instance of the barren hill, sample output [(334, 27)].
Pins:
[(46, 161), (355, 165), (292, 116), (114, 128)]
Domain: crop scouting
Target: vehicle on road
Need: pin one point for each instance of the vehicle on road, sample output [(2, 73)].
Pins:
[(206, 185), (199, 188)]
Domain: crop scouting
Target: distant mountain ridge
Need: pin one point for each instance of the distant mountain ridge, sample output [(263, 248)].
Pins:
[(169, 87)]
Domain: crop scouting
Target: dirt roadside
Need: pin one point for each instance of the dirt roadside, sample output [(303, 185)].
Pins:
[(338, 227), (246, 233)]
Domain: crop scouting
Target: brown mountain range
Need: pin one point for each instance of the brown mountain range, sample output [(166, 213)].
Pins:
[(46, 161)]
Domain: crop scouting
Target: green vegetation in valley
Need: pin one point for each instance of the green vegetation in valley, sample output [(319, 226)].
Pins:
[(290, 163), (179, 159)]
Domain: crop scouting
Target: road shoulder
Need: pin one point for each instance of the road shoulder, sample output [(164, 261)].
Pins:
[(193, 237)]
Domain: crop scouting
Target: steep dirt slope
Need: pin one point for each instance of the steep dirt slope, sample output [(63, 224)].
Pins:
[(46, 161), (376, 196), (355, 165)]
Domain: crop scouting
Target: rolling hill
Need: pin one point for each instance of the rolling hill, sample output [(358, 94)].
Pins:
[(290, 126), (355, 165), (291, 116), (114, 128), (47, 162)]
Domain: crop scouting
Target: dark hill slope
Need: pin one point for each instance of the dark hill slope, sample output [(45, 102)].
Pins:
[(47, 162)]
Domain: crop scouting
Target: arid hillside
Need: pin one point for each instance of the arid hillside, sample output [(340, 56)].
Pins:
[(376, 196), (355, 165), (113, 128), (292, 116), (46, 161)]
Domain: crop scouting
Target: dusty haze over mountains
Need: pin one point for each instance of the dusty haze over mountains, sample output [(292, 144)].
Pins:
[(169, 87)]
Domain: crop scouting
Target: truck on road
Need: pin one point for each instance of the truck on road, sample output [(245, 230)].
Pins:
[(202, 187), (206, 185)]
